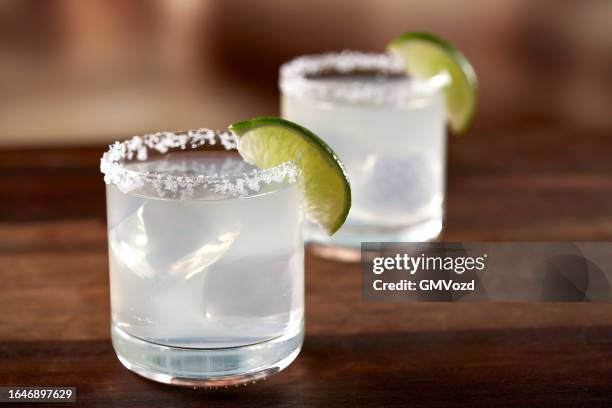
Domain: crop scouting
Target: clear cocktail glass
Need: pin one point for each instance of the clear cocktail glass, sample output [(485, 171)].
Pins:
[(206, 260), (387, 128)]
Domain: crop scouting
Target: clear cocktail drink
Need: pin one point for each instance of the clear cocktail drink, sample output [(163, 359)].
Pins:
[(206, 260), (387, 128)]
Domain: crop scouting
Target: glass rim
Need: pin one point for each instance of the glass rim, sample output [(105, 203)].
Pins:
[(137, 148), (295, 78)]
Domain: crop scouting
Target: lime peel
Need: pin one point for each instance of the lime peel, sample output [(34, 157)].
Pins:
[(270, 141), (426, 56)]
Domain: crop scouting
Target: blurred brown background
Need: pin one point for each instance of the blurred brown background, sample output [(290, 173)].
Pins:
[(76, 72)]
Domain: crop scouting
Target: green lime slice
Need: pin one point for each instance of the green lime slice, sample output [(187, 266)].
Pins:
[(425, 56), (268, 142)]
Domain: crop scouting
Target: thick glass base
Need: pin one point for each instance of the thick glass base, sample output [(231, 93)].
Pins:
[(193, 367), (345, 245)]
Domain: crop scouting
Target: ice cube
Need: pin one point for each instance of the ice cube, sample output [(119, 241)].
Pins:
[(389, 187)]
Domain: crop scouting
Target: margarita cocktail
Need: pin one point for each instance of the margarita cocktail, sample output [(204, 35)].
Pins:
[(389, 129), (205, 247), (205, 288)]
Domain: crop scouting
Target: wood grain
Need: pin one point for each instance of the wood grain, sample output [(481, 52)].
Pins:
[(552, 367), (527, 184)]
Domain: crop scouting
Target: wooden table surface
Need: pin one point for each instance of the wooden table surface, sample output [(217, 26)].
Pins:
[(529, 183)]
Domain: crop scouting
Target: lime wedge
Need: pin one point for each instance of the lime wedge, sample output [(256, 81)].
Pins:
[(268, 142), (426, 56)]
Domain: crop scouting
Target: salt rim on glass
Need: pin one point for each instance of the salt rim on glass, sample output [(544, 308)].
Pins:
[(298, 78), (177, 186)]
